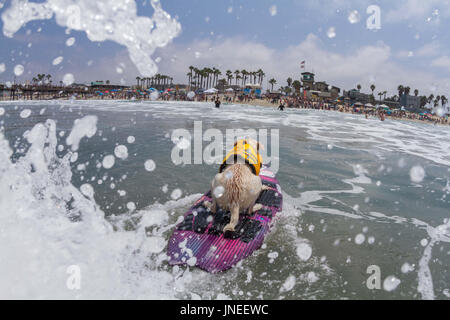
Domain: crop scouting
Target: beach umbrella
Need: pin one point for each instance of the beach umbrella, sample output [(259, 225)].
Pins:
[(212, 90), (229, 90)]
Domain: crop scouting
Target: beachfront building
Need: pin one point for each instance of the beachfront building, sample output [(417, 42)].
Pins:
[(410, 102), (318, 90), (355, 95), (101, 86)]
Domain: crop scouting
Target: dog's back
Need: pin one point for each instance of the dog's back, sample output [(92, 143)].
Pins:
[(241, 187)]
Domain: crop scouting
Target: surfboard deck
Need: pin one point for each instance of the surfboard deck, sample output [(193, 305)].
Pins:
[(199, 240)]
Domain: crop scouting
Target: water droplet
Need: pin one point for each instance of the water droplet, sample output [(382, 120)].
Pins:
[(87, 190), (18, 70), (417, 174), (406, 268), (331, 33), (176, 194), (68, 79), (57, 60), (354, 17), (70, 42), (25, 113), (304, 251), (391, 283), (219, 192), (273, 10), (424, 242), (131, 206), (359, 239), (191, 94), (121, 152), (150, 165), (154, 95), (108, 161)]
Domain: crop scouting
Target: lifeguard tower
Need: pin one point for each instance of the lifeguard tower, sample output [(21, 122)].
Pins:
[(308, 80)]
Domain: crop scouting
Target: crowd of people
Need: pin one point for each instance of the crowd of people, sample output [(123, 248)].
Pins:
[(398, 114)]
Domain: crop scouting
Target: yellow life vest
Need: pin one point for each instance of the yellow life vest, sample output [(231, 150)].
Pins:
[(247, 153)]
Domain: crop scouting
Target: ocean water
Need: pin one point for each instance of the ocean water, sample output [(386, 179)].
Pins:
[(77, 188)]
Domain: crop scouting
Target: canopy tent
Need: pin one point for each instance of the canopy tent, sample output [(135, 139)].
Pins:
[(212, 90), (253, 85), (369, 105), (358, 104), (229, 90)]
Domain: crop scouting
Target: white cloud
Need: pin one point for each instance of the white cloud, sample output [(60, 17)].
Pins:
[(366, 65), (442, 62), (429, 49), (418, 10)]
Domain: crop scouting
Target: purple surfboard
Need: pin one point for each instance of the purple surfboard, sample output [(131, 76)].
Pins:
[(199, 240)]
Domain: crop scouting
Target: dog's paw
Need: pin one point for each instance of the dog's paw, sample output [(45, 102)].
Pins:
[(228, 227), (264, 188)]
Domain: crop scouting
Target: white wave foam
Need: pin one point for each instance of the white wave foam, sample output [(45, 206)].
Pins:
[(102, 20)]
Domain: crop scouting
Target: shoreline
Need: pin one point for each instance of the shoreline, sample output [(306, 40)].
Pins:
[(254, 102)]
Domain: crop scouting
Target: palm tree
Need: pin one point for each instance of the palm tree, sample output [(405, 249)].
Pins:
[(297, 86), (289, 82), (437, 100), (407, 90), (237, 76), (217, 73), (416, 92), (189, 75), (384, 93), (401, 90), (261, 75), (372, 87), (430, 98), (380, 94), (359, 87), (229, 75), (138, 79), (244, 77), (272, 82)]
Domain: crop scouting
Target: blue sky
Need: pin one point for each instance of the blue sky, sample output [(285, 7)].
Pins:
[(411, 48)]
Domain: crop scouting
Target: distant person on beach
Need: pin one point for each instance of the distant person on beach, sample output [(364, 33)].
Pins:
[(217, 103), (281, 107)]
